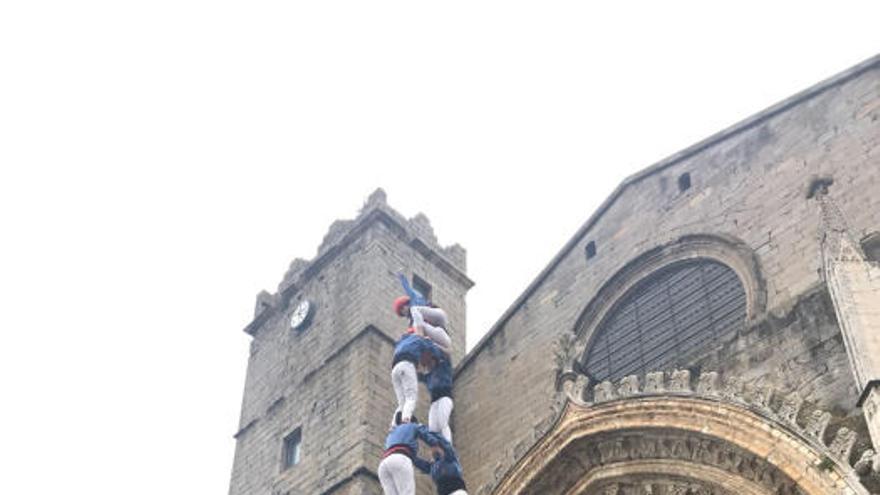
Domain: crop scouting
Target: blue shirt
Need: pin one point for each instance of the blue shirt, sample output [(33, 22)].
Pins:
[(439, 380), (445, 466), (410, 347), (407, 435), (448, 465)]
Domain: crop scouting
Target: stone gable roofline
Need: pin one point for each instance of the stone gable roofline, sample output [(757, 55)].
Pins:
[(872, 63), (416, 232)]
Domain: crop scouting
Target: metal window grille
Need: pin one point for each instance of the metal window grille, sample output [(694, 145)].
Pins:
[(669, 318)]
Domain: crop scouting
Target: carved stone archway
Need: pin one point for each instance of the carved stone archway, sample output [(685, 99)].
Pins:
[(674, 445), (629, 478)]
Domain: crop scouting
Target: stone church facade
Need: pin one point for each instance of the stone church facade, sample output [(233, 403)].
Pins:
[(714, 328)]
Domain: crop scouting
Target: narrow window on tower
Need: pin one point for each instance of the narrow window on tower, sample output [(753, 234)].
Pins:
[(871, 246), (424, 288), (292, 447)]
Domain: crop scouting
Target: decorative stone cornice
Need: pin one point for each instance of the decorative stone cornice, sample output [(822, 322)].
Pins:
[(791, 413)]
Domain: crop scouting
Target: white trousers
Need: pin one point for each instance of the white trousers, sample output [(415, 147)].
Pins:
[(438, 417), (433, 321), (406, 388), (458, 492), (397, 476)]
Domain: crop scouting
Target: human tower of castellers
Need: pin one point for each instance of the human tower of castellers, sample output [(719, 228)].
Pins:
[(421, 354)]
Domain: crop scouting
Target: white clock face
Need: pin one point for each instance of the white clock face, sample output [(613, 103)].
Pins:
[(300, 314)]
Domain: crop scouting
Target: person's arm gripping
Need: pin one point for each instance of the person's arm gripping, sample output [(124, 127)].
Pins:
[(415, 298), (436, 441), (422, 465)]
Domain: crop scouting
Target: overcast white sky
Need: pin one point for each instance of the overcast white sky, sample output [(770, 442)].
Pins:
[(162, 162)]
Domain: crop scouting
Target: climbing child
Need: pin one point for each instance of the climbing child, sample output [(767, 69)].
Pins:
[(408, 352), (438, 379), (401, 450), (425, 317)]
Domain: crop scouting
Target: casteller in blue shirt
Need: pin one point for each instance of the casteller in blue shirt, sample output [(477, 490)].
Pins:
[(439, 379), (446, 469), (404, 439), (410, 346)]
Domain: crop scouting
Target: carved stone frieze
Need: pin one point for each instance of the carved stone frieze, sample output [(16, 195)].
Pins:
[(654, 383), (733, 389), (865, 464), (707, 384), (604, 392), (843, 443), (760, 396), (790, 409), (674, 448), (680, 381), (661, 487), (710, 384), (629, 386), (575, 387), (817, 424)]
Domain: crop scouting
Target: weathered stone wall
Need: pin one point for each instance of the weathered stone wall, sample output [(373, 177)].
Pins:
[(801, 351), (332, 379), (747, 184)]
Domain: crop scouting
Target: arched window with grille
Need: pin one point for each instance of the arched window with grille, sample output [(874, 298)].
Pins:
[(672, 316)]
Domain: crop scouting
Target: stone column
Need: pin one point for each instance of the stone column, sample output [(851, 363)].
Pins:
[(854, 286)]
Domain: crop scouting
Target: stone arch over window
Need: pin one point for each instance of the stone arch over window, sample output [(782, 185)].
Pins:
[(705, 263)]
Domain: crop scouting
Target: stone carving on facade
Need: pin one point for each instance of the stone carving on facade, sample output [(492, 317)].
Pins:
[(707, 384), (694, 449), (817, 424), (661, 488), (733, 389), (654, 383), (675, 448), (576, 387), (604, 392), (760, 396), (680, 381), (843, 443), (612, 489), (835, 234), (791, 407), (710, 384), (561, 353), (629, 386), (865, 465)]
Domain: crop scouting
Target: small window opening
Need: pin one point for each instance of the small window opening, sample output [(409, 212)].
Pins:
[(423, 288), (684, 182), (292, 447), (871, 247), (591, 249)]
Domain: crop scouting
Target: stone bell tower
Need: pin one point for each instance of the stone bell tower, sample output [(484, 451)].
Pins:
[(318, 395)]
